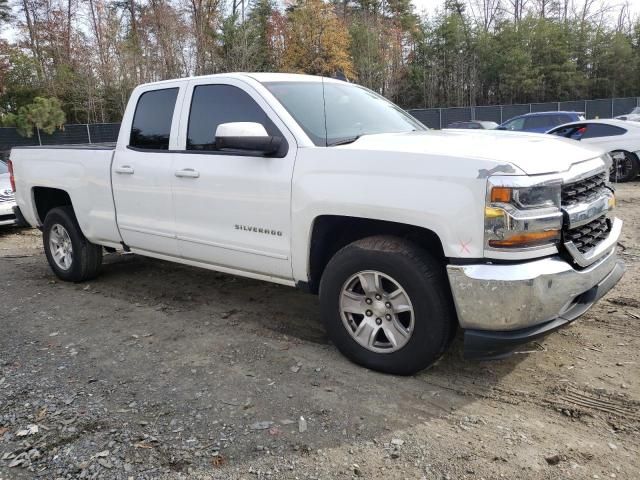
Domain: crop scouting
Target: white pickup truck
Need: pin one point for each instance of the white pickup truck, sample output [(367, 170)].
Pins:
[(406, 233)]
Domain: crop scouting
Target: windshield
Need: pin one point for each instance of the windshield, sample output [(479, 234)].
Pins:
[(333, 113), (3, 167)]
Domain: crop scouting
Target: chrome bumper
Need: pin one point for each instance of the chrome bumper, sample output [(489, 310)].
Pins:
[(517, 296), (7, 214)]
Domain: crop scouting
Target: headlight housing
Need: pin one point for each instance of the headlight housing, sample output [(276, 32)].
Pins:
[(522, 214)]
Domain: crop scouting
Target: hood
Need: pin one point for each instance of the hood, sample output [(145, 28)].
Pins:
[(532, 153)]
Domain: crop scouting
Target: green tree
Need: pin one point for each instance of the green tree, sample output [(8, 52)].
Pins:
[(46, 114), (259, 25)]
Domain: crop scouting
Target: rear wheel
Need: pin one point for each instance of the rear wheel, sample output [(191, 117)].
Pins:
[(71, 256), (625, 167), (386, 305)]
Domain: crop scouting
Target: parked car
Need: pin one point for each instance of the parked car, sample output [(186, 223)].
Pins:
[(7, 197), (540, 122), (633, 115), (474, 125), (405, 233), (618, 137)]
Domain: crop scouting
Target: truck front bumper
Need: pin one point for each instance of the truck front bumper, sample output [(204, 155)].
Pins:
[(502, 306)]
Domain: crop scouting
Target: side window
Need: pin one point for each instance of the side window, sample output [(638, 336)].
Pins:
[(540, 121), (516, 124), (152, 119), (595, 130), (562, 132), (212, 105), (572, 131)]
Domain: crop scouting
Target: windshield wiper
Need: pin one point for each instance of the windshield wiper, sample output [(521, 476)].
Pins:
[(343, 141)]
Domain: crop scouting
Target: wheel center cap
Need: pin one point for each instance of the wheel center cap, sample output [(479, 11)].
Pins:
[(379, 309)]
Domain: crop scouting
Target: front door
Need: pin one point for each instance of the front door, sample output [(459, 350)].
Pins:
[(232, 209)]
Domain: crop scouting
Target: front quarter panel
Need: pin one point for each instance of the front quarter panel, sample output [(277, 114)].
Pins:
[(443, 194)]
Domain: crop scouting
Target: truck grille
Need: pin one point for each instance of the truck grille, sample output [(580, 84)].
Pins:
[(587, 236), (581, 190), (6, 197), (590, 235)]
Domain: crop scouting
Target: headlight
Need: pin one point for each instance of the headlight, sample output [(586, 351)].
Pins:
[(522, 216)]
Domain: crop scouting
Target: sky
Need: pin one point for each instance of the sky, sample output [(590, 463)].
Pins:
[(422, 7)]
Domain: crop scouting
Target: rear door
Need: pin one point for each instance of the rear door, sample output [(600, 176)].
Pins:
[(142, 171), (232, 208), (539, 123), (603, 135)]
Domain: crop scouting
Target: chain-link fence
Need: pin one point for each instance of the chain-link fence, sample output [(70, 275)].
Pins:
[(441, 117), (73, 134), (431, 117)]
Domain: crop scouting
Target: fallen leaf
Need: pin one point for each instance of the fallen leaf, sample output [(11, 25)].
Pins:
[(143, 445)]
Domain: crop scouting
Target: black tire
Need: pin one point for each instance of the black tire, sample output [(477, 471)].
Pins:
[(86, 256), (625, 167), (424, 280)]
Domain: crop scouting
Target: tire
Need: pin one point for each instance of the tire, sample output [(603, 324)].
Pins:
[(61, 229), (431, 323), (625, 167)]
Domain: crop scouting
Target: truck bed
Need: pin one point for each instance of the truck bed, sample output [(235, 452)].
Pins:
[(82, 171)]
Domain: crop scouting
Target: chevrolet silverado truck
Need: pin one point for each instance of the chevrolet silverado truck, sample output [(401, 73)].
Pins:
[(406, 233)]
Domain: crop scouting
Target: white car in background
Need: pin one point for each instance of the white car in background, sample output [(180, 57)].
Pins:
[(7, 197), (620, 138), (633, 115)]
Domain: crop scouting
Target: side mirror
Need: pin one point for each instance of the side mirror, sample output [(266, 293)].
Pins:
[(246, 136)]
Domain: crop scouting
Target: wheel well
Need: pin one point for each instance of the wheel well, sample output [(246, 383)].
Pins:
[(627, 152), (331, 233), (47, 198)]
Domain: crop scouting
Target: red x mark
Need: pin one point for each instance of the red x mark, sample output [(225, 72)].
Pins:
[(465, 246)]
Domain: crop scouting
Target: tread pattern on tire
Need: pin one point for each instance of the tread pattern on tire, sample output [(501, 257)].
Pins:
[(426, 267), (89, 256)]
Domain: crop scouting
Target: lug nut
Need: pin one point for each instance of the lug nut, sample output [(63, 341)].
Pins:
[(368, 301), (388, 304), (378, 297), (387, 316), (378, 321), (368, 313)]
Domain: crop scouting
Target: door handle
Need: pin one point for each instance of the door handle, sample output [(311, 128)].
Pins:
[(188, 173), (124, 169)]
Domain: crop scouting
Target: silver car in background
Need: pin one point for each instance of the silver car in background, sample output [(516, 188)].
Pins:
[(7, 197)]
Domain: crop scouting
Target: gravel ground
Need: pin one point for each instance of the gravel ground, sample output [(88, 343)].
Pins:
[(157, 370)]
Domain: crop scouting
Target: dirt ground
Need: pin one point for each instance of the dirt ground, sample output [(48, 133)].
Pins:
[(157, 370)]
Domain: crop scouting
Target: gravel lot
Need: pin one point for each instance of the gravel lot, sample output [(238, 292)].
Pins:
[(156, 370)]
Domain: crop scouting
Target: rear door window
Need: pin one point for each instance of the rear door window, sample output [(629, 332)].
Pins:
[(596, 130), (152, 119), (539, 121)]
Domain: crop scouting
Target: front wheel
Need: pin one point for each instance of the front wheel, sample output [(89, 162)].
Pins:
[(386, 305), (624, 168), (71, 256)]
